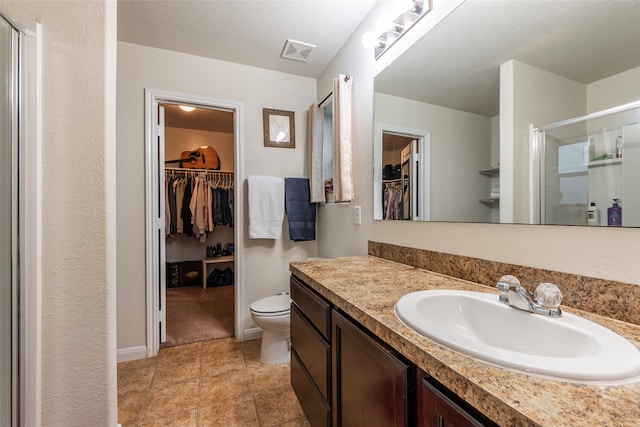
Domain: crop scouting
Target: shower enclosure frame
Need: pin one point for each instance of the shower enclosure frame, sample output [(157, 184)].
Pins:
[(537, 156), (27, 228)]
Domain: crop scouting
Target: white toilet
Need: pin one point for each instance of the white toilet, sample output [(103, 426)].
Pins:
[(272, 314)]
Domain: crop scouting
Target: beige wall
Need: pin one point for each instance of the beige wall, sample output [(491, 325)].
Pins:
[(266, 262), (178, 140), (603, 253), (528, 95), (619, 89), (78, 205)]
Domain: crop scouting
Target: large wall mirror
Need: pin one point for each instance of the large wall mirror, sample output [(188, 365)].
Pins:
[(531, 110)]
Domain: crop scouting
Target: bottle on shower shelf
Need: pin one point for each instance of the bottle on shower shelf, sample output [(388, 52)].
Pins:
[(619, 147), (593, 214), (614, 214)]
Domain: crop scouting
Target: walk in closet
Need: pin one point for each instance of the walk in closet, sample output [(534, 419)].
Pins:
[(396, 176), (199, 183)]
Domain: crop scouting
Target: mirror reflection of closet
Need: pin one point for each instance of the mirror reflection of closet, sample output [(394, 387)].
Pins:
[(404, 185), (200, 269)]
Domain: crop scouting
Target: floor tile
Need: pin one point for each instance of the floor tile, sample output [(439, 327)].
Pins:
[(223, 345), (171, 399), (131, 378), (231, 413), (298, 422), (211, 383), (215, 364), (264, 377), (229, 385), (129, 406), (278, 405), (177, 372), (252, 354), (178, 353), (182, 419)]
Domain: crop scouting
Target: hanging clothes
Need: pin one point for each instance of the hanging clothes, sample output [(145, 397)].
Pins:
[(196, 203), (393, 200)]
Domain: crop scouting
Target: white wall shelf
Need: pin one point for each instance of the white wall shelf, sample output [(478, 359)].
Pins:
[(214, 260)]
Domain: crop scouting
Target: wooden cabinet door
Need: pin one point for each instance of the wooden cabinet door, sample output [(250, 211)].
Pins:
[(437, 408), (370, 384)]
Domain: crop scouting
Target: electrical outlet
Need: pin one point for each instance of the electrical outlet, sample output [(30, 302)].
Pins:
[(357, 219)]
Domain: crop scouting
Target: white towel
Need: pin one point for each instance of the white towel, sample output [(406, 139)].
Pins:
[(266, 206)]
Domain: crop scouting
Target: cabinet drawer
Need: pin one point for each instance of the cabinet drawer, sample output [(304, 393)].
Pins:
[(315, 408), (313, 350), (316, 309)]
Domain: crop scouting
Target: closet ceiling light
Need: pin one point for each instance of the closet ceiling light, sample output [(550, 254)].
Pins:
[(187, 108), (297, 51)]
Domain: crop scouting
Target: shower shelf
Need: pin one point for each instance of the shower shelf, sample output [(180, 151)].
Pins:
[(607, 162), (490, 200), (490, 172)]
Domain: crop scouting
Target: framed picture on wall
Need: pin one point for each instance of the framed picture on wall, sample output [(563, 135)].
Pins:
[(279, 128)]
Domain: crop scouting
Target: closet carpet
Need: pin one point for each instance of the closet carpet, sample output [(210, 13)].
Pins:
[(196, 314)]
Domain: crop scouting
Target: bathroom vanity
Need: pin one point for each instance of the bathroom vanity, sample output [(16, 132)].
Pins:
[(354, 363)]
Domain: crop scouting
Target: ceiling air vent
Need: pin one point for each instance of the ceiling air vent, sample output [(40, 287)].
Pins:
[(296, 51)]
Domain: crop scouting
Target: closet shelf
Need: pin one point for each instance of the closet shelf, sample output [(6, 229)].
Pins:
[(214, 260), (218, 259), (198, 170)]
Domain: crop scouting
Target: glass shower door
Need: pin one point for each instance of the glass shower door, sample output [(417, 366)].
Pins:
[(8, 223), (585, 164), (566, 184)]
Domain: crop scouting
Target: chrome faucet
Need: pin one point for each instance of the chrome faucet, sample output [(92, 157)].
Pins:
[(548, 297)]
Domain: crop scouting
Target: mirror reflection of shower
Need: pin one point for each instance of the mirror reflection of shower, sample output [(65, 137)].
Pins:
[(590, 169)]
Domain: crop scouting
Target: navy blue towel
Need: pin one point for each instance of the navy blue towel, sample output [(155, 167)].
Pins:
[(301, 213)]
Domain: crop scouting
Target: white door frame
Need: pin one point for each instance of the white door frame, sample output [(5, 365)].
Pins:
[(152, 99)]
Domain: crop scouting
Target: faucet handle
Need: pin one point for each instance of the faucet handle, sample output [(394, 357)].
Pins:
[(507, 283), (548, 295)]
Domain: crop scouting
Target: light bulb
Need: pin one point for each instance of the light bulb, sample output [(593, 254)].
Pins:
[(187, 108), (369, 39)]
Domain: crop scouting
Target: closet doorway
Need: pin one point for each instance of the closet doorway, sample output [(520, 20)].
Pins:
[(193, 247)]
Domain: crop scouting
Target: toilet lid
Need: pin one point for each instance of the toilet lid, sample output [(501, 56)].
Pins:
[(271, 305)]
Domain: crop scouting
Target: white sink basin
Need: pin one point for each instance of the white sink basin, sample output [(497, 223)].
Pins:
[(569, 348)]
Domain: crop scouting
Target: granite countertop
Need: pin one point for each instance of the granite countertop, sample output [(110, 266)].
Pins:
[(367, 288)]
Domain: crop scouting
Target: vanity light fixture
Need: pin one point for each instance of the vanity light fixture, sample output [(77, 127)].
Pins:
[(187, 108), (397, 27)]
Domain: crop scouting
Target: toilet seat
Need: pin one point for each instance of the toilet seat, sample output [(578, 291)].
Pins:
[(276, 305)]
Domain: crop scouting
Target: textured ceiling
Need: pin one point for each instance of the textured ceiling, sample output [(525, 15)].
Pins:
[(245, 32), (457, 63)]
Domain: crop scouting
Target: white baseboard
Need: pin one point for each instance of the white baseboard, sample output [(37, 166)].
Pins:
[(252, 334), (132, 353)]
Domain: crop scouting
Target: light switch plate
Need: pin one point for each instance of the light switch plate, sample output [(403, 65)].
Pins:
[(357, 219)]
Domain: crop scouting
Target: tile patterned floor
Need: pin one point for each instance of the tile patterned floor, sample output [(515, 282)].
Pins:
[(213, 383)]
